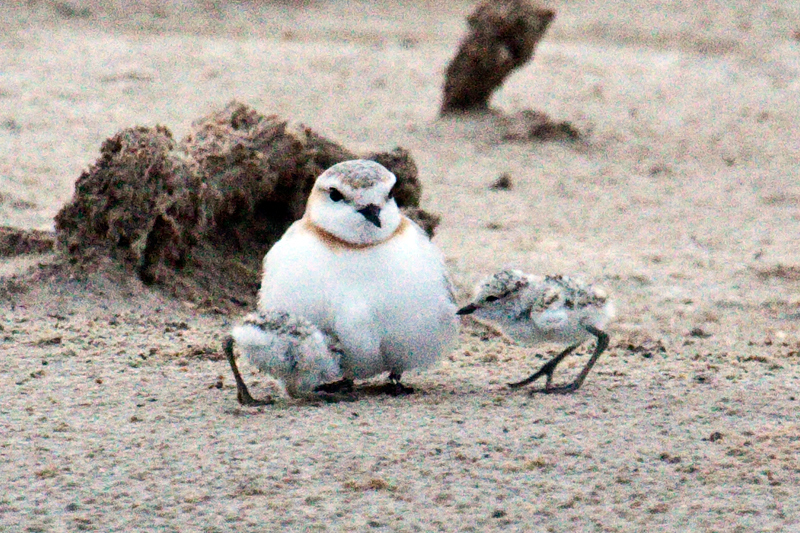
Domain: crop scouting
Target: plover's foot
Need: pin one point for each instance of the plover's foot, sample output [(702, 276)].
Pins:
[(244, 398), (549, 368), (546, 370), (560, 389), (395, 388), (533, 377)]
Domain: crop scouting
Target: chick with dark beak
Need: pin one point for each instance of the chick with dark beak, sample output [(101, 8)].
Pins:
[(372, 213)]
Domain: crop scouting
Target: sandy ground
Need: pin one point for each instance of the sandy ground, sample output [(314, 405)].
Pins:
[(118, 414)]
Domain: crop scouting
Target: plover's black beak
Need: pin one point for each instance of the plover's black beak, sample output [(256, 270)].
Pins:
[(372, 213), (467, 309)]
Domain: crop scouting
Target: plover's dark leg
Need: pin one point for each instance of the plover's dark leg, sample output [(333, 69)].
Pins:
[(242, 394), (395, 387), (546, 370), (602, 344)]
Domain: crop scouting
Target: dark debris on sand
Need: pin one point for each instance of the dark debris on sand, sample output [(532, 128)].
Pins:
[(529, 125), (504, 182), (196, 217), (16, 241)]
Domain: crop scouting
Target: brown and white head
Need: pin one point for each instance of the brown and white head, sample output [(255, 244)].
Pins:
[(353, 202)]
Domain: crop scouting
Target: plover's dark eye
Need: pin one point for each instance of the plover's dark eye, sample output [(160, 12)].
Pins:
[(492, 298), (336, 196)]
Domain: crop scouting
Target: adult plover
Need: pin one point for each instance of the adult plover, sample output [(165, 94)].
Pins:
[(362, 272)]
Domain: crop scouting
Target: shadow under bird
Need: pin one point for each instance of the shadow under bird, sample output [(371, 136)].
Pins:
[(536, 309)]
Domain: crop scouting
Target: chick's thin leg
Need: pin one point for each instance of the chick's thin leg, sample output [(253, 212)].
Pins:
[(546, 370), (242, 394), (602, 344)]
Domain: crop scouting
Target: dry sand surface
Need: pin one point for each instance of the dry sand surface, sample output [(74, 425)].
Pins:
[(119, 415)]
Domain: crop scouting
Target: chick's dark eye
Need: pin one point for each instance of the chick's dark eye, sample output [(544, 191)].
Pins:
[(492, 298), (336, 196)]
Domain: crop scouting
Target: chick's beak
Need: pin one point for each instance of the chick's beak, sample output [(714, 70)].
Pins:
[(372, 213), (467, 309)]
